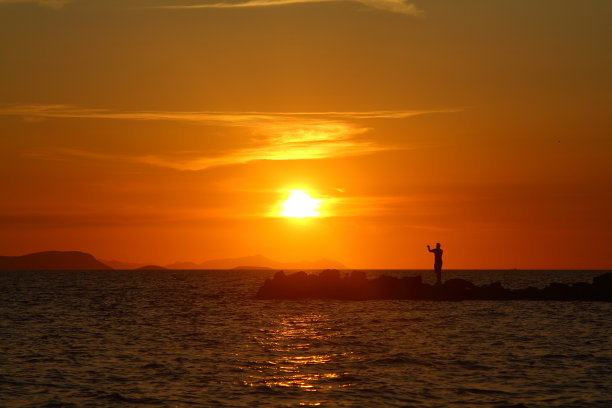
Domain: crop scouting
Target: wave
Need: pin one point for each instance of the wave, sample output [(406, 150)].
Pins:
[(116, 397)]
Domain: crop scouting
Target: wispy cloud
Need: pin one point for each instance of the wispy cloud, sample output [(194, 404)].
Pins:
[(195, 161), (229, 118), (46, 3), (394, 6), (275, 142), (274, 135)]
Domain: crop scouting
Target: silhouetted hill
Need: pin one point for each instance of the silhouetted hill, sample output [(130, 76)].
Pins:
[(322, 263), (183, 265), (51, 261), (122, 265), (151, 268), (252, 268), (258, 261)]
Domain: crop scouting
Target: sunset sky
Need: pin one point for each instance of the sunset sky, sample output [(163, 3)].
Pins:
[(157, 131)]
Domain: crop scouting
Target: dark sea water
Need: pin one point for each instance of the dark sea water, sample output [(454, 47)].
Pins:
[(197, 338)]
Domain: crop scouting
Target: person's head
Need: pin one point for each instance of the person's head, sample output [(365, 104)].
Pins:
[(438, 245)]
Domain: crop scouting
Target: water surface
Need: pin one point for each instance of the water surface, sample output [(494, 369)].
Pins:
[(198, 338)]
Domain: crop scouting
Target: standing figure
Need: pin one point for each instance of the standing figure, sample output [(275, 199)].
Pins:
[(438, 262)]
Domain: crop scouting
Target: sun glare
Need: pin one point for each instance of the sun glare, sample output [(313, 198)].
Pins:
[(300, 205)]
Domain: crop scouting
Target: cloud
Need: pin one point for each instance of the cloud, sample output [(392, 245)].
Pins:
[(46, 3), (274, 135), (207, 117), (394, 6), (272, 148)]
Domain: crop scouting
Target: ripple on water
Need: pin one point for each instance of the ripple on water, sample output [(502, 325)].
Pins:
[(198, 338)]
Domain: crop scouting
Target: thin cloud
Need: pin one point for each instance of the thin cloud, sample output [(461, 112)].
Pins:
[(45, 3), (275, 135), (229, 118), (271, 149), (394, 6)]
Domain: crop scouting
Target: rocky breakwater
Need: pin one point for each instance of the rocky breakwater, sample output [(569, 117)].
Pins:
[(329, 284)]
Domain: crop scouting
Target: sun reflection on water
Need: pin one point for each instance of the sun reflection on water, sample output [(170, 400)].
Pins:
[(299, 355)]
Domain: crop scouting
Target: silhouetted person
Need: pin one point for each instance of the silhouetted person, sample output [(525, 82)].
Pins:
[(438, 262)]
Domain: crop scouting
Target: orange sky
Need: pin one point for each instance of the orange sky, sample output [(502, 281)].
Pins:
[(163, 130)]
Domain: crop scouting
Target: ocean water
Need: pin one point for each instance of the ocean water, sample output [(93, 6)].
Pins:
[(199, 338)]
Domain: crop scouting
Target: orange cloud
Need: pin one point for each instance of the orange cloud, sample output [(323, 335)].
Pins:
[(230, 118), (271, 150), (394, 6), (278, 135), (46, 3)]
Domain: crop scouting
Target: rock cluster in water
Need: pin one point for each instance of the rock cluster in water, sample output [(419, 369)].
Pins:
[(329, 284)]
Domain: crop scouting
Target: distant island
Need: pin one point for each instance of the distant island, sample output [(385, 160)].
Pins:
[(258, 262), (329, 284), (52, 261), (252, 268), (76, 260), (151, 268)]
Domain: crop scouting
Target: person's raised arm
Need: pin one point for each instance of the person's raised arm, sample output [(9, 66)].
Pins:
[(429, 249)]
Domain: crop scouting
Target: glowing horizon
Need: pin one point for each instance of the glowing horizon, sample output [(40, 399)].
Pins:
[(410, 122)]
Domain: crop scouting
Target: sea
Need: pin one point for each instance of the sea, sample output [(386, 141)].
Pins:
[(202, 339)]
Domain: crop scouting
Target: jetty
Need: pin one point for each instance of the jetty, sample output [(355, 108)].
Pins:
[(329, 284)]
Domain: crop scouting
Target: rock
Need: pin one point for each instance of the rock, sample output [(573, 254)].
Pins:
[(329, 284)]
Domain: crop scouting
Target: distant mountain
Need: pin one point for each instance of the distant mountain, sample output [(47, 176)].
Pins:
[(257, 262), (252, 268), (183, 265), (122, 265), (322, 263), (74, 260), (151, 268), (51, 261), (228, 263)]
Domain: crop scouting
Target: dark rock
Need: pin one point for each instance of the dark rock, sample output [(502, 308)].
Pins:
[(456, 289), (492, 291), (329, 284), (557, 291), (358, 275), (330, 274), (583, 290), (529, 293)]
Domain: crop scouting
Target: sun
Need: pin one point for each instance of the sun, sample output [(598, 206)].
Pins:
[(300, 205)]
